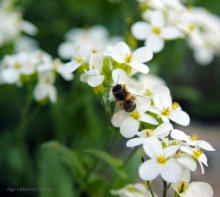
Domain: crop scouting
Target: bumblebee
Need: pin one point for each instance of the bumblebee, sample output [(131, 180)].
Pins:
[(124, 99)]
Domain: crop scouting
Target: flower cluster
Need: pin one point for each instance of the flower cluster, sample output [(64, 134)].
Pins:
[(171, 19), (145, 112), (35, 67), (12, 24)]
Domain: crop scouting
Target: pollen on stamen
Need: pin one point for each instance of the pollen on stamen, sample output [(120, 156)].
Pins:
[(194, 137), (197, 153), (161, 159), (149, 132), (131, 189), (166, 111), (78, 59), (182, 186), (175, 105), (128, 58), (136, 115), (157, 30)]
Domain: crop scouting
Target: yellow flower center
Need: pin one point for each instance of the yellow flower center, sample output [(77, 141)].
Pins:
[(136, 115), (157, 30), (197, 153), (191, 27), (148, 93), (175, 105), (149, 132), (131, 189), (128, 58), (194, 137), (182, 186), (161, 159), (17, 66), (94, 50), (78, 60), (166, 111)]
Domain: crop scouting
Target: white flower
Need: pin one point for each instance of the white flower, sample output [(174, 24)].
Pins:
[(122, 54), (129, 122), (191, 140), (160, 132), (80, 58), (197, 154), (155, 31), (93, 76), (45, 88), (164, 107), (160, 162), (150, 84), (132, 190), (195, 189)]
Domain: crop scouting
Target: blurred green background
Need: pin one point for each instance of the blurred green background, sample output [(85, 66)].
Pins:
[(54, 147)]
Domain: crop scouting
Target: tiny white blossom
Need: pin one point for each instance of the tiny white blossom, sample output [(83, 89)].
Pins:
[(122, 54), (160, 162)]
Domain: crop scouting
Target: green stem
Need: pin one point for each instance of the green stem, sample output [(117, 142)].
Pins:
[(150, 189), (165, 188)]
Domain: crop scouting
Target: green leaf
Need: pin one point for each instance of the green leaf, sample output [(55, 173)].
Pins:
[(116, 164), (68, 157)]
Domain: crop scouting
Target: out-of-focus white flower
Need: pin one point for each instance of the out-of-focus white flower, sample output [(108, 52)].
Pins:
[(93, 40), (155, 31), (166, 109), (93, 76), (191, 140), (45, 87), (132, 190), (161, 132), (129, 122), (160, 162), (122, 54), (194, 189), (12, 24)]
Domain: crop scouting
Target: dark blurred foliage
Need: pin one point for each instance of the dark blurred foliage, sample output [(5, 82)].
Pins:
[(55, 146)]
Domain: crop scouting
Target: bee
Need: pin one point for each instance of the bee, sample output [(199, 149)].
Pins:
[(125, 99)]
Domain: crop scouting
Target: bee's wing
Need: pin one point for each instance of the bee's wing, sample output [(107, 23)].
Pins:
[(118, 106)]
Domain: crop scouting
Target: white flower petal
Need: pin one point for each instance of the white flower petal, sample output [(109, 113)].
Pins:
[(163, 130), (170, 33), (143, 68), (205, 145), (129, 127), (149, 170), (95, 62), (143, 54), (179, 135), (155, 43), (95, 80), (69, 67), (135, 142), (171, 172), (140, 30), (152, 147), (200, 189), (188, 163), (118, 118), (163, 99), (180, 117), (170, 150), (148, 119), (119, 76)]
